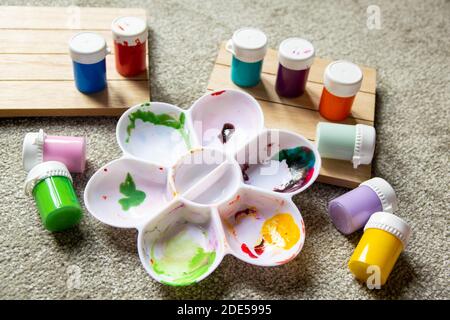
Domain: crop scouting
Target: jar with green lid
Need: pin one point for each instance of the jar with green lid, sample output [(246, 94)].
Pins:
[(50, 184)]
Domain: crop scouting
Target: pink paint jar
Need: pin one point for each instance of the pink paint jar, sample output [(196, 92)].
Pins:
[(130, 44), (39, 147)]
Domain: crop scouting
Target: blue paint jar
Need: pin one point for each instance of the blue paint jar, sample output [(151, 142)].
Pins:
[(88, 51), (248, 46)]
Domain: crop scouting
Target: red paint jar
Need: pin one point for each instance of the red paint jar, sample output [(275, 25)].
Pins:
[(342, 81), (130, 45)]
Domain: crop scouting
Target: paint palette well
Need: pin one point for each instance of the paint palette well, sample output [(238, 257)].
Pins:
[(205, 182)]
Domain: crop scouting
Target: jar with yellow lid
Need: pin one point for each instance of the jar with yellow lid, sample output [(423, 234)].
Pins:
[(385, 237)]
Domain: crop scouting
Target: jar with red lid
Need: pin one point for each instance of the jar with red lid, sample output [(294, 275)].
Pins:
[(130, 45)]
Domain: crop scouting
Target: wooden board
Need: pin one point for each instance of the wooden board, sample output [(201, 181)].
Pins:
[(301, 114), (36, 76)]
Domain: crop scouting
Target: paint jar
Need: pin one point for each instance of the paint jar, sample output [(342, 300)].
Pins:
[(350, 211), (342, 81), (385, 237), (130, 45), (39, 147), (50, 184), (295, 57), (248, 46), (355, 143), (88, 51)]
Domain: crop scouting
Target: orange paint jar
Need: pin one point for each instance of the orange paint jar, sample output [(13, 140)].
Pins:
[(342, 81)]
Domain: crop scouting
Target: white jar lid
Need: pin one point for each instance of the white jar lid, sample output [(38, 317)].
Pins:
[(296, 54), (390, 223), (342, 78), (129, 31), (87, 48), (33, 149), (364, 145), (43, 171), (248, 45), (385, 193)]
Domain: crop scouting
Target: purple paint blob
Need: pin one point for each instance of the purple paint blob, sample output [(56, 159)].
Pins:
[(291, 83), (352, 210)]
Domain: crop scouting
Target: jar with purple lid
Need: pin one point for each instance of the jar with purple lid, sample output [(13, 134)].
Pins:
[(295, 57)]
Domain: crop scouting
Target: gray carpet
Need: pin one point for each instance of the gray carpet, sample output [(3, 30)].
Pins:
[(411, 52)]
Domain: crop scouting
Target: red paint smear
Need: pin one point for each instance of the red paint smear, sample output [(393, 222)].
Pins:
[(104, 197), (246, 211), (218, 93), (259, 249), (309, 176), (246, 250), (106, 170), (235, 200), (161, 169)]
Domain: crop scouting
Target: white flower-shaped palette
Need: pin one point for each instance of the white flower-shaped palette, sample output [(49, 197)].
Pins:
[(201, 183)]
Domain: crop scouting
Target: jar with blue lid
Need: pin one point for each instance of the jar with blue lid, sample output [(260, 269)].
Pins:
[(248, 46), (88, 52)]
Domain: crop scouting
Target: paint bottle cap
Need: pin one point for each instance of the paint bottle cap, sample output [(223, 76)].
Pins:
[(248, 45), (87, 48), (129, 31), (390, 223), (385, 193), (343, 78), (364, 145), (33, 149), (44, 170), (296, 54)]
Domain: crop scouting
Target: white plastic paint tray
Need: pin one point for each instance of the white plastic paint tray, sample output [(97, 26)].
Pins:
[(201, 183)]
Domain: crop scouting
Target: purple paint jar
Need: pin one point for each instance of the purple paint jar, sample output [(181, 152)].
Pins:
[(295, 57), (352, 210)]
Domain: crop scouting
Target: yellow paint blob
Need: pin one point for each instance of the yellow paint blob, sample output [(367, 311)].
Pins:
[(281, 231)]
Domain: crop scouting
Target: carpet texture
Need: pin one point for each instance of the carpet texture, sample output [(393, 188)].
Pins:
[(411, 52)]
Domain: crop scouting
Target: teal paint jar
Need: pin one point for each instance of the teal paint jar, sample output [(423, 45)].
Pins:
[(248, 47), (50, 184), (355, 143)]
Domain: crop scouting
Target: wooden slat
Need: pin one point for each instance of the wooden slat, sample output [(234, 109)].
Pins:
[(315, 74), (36, 76), (61, 98), (363, 106), (75, 18), (48, 67), (41, 41), (341, 173)]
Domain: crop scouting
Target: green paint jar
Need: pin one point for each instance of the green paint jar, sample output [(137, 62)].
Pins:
[(50, 184), (355, 143)]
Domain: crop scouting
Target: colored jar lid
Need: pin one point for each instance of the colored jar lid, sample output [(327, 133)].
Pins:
[(385, 193), (364, 145), (87, 48), (248, 45), (33, 149), (390, 223), (129, 31), (44, 170), (296, 54), (343, 78)]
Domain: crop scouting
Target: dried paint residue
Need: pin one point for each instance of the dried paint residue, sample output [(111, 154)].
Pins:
[(226, 132), (300, 161), (281, 231), (162, 119), (250, 211), (181, 257), (133, 197)]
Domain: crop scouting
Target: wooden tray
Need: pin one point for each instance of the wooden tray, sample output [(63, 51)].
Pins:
[(301, 114), (36, 77)]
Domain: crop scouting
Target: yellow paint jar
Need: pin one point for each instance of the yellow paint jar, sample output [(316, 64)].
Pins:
[(385, 237)]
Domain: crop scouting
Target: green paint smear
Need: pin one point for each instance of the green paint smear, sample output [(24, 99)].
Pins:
[(183, 260), (162, 119), (133, 197)]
